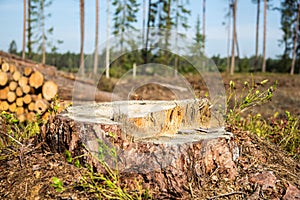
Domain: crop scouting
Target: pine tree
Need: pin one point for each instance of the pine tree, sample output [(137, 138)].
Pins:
[(31, 19), (124, 19), (289, 12), (37, 28), (197, 47), (13, 47)]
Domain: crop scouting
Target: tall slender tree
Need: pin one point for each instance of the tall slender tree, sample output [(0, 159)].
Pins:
[(203, 22), (42, 26), (234, 39), (144, 21), (24, 29), (257, 33), (295, 41), (81, 37), (96, 38), (228, 34), (41, 31), (30, 21), (107, 55), (198, 39), (265, 36)]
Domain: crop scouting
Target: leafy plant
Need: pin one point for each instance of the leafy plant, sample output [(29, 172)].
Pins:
[(285, 132), (57, 184), (105, 184)]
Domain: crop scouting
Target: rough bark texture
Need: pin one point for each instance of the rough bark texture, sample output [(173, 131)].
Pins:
[(165, 163)]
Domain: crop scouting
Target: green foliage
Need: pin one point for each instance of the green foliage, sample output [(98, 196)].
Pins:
[(15, 133), (57, 184), (37, 32), (285, 132), (124, 17), (289, 10), (12, 47), (198, 45), (104, 185)]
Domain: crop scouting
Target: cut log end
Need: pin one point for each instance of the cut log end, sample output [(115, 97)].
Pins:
[(3, 78), (49, 90), (36, 79), (5, 67), (41, 106)]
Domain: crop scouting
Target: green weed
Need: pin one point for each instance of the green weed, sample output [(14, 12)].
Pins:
[(284, 132), (105, 185)]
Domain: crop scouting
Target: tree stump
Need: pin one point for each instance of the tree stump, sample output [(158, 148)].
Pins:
[(166, 145)]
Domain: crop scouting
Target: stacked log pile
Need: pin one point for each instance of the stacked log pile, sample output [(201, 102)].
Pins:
[(64, 80), (24, 91)]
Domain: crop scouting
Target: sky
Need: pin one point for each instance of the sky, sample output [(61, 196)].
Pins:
[(65, 16)]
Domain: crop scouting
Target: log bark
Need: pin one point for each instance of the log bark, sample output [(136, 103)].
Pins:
[(165, 162)]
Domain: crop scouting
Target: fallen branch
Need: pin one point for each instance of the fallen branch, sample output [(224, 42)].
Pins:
[(225, 195)]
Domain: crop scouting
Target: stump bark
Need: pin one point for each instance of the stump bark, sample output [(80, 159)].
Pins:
[(165, 145)]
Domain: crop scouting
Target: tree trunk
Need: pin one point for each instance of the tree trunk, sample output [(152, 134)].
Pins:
[(295, 41), (81, 37), (96, 38), (147, 34), (204, 18), (233, 46), (24, 29), (29, 31), (228, 37), (166, 162), (107, 55), (44, 34), (144, 21), (257, 35), (265, 36)]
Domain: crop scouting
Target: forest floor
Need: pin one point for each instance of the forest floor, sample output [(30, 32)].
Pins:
[(265, 171)]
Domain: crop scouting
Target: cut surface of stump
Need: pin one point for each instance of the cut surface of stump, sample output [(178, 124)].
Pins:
[(163, 144)]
